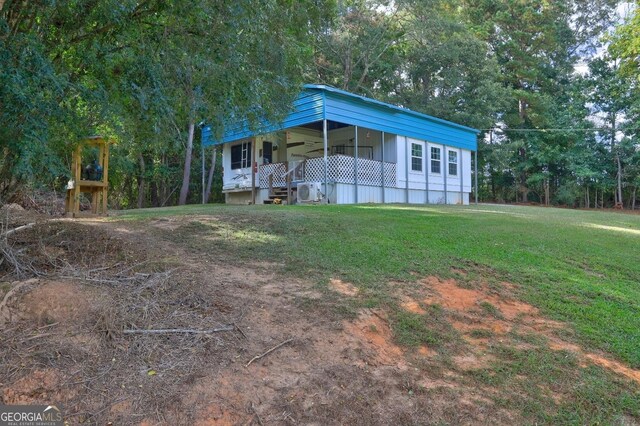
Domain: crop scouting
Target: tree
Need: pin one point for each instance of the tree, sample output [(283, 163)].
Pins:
[(536, 45), (357, 50), (146, 71), (416, 54), (611, 95), (447, 71)]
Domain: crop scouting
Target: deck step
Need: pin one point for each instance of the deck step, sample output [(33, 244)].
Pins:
[(280, 193), (283, 200)]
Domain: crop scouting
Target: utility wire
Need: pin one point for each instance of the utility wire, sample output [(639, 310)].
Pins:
[(593, 129)]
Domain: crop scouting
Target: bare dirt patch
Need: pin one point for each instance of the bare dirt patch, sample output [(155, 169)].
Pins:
[(411, 305), (451, 296), (56, 301), (614, 366), (504, 313), (602, 361), (344, 288), (371, 329), (66, 344), (39, 385), (425, 350)]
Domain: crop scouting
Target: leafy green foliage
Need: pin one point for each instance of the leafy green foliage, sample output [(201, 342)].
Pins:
[(505, 65), (144, 72), (147, 72)]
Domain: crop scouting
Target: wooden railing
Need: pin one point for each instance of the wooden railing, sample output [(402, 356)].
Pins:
[(271, 175), (279, 175), (340, 168)]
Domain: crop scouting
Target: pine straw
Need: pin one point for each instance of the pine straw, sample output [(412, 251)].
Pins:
[(95, 365)]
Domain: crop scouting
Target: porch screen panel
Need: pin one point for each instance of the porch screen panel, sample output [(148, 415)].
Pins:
[(341, 170)]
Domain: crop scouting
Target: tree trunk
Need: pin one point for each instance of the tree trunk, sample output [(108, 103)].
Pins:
[(619, 179), (128, 188), (155, 197), (588, 199), (164, 187), (141, 182), (633, 198), (546, 192), (493, 184), (207, 194), (614, 150), (184, 191)]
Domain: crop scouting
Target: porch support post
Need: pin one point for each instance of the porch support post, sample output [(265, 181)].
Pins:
[(407, 161), (426, 171), (461, 173), (202, 173), (382, 166), (254, 163), (355, 169), (325, 141), (475, 175), (445, 160)]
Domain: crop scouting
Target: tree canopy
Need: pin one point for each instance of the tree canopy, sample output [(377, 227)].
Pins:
[(147, 72), (144, 71)]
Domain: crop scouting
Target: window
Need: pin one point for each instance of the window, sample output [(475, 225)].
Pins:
[(267, 152), (435, 160), (241, 156), (453, 163), (416, 157)]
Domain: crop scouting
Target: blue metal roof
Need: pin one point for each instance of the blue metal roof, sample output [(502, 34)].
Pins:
[(319, 102)]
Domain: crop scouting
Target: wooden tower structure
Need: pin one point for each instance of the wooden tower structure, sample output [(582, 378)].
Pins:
[(97, 187)]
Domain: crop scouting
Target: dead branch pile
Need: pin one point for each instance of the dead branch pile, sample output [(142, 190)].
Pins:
[(49, 202), (85, 343)]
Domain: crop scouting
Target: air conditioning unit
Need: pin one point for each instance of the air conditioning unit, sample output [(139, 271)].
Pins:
[(309, 192)]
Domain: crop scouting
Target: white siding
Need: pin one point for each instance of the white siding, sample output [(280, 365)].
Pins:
[(414, 183), (229, 175), (411, 185)]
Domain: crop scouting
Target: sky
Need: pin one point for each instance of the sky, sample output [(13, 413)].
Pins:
[(624, 11)]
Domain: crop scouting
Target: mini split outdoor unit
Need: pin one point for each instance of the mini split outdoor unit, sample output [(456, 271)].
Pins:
[(309, 192)]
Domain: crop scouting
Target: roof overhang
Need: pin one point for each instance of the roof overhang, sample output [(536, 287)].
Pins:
[(320, 102)]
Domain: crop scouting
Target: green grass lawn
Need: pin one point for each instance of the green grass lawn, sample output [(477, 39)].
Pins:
[(581, 267)]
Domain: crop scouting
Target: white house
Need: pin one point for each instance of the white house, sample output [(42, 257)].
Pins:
[(342, 148)]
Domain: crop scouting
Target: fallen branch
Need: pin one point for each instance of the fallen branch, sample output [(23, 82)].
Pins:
[(180, 330), (37, 336), (13, 291), (19, 228), (255, 413), (240, 330), (255, 358), (22, 265)]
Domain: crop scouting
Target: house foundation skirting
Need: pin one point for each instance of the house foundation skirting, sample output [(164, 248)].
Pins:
[(342, 193)]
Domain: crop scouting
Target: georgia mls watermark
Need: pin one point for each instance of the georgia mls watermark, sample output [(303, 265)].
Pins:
[(31, 415)]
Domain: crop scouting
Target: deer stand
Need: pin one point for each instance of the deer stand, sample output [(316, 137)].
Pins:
[(94, 180)]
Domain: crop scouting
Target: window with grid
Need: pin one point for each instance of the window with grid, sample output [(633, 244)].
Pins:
[(435, 160), (416, 157), (453, 163), (241, 156)]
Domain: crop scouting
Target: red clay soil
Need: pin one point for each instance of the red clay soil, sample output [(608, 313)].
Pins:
[(342, 287), (466, 304), (63, 344)]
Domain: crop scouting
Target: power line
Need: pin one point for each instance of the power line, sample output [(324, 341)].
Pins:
[(568, 129)]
